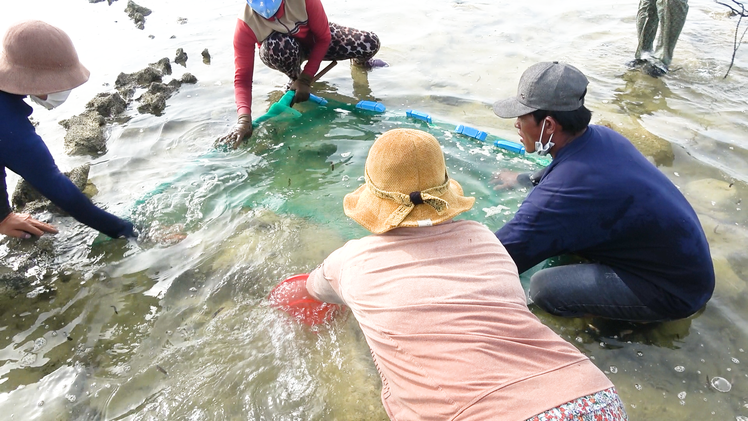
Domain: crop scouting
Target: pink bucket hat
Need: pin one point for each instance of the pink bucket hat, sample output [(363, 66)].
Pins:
[(38, 59)]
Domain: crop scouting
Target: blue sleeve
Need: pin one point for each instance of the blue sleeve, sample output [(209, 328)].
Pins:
[(24, 153), (4, 204), (534, 232)]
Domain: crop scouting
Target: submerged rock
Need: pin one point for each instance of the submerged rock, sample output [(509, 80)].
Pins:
[(85, 134), (656, 148), (727, 283), (709, 193)]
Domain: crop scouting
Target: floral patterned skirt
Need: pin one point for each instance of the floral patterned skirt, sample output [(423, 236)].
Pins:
[(601, 406)]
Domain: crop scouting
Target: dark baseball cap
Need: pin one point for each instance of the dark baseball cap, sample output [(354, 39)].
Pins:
[(549, 86)]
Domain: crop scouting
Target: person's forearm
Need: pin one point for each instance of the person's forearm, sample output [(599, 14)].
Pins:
[(320, 29), (320, 288), (244, 62), (64, 194)]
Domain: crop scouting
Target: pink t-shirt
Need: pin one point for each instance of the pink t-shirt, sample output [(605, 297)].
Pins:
[(445, 316)]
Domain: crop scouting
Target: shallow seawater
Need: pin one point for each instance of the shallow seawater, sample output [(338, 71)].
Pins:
[(93, 329)]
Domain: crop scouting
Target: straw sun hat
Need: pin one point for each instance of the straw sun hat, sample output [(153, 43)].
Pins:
[(406, 185), (38, 59)]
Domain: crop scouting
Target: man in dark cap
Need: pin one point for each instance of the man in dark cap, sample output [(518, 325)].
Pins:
[(645, 254)]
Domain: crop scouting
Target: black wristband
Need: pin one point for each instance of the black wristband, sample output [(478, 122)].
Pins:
[(525, 179)]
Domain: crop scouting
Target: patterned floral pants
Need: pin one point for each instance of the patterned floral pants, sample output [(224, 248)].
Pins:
[(601, 406), (283, 52)]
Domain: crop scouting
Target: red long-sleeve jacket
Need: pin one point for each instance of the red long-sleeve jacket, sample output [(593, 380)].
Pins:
[(313, 34)]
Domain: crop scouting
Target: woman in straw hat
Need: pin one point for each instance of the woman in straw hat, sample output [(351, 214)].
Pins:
[(38, 60), (441, 305)]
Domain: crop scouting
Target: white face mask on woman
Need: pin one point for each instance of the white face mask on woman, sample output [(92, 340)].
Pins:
[(53, 100)]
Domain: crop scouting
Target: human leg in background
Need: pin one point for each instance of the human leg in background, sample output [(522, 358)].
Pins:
[(358, 46), (672, 16), (284, 53), (647, 21), (588, 289)]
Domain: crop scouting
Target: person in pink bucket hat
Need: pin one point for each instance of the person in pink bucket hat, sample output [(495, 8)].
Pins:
[(440, 303), (39, 60)]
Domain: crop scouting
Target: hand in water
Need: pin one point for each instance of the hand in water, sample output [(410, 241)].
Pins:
[(21, 225), (302, 86), (504, 180), (241, 130), (166, 234)]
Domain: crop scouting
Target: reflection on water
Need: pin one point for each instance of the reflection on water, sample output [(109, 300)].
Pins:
[(162, 329)]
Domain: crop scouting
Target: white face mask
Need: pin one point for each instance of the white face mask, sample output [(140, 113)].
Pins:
[(53, 100), (539, 147)]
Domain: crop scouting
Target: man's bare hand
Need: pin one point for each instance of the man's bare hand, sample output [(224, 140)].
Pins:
[(504, 180), (21, 225)]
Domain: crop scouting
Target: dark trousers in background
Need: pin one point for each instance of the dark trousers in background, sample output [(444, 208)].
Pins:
[(667, 15), (588, 289)]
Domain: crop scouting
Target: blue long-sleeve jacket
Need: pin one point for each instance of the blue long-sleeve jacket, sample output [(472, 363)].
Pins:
[(23, 152), (602, 200)]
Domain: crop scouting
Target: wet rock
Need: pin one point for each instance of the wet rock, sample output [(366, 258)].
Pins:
[(206, 56), (164, 88), (26, 199), (137, 13), (85, 134), (181, 57), (188, 78), (152, 103), (107, 104), (126, 83), (10, 280), (175, 84), (154, 100), (163, 66)]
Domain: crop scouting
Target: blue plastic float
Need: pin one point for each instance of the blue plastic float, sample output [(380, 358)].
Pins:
[(418, 115)]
